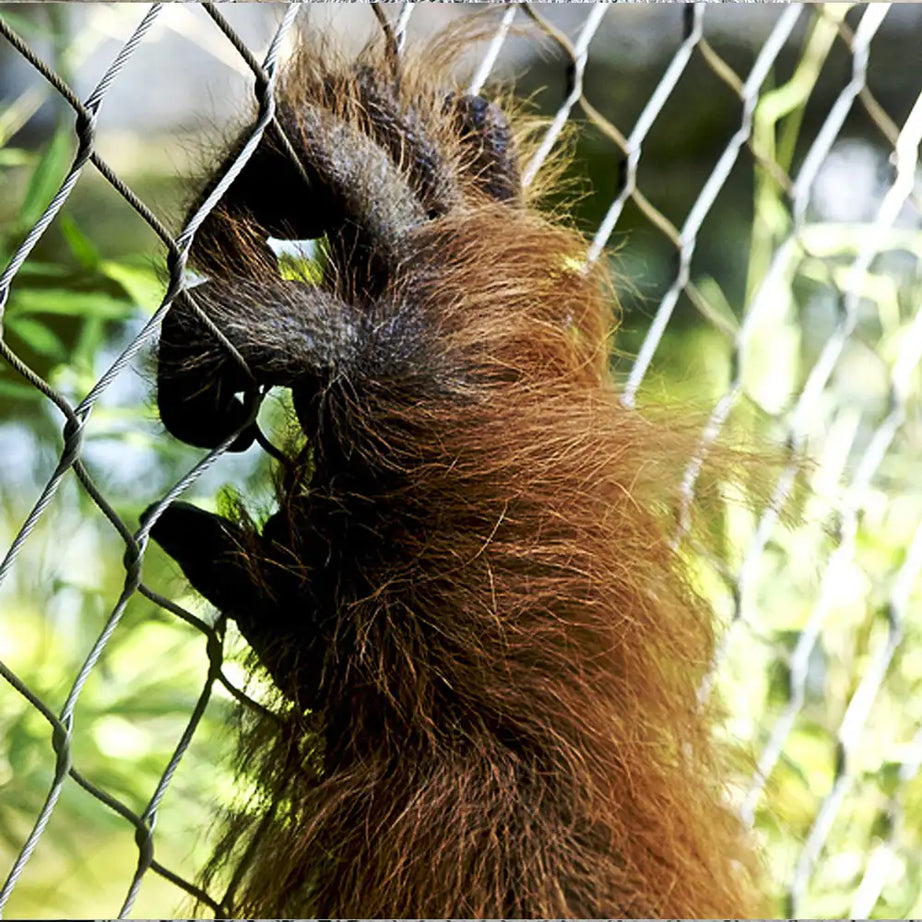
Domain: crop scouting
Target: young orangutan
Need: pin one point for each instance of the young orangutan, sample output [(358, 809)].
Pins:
[(486, 650)]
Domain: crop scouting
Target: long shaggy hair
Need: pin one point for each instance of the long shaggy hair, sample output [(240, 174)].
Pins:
[(487, 653)]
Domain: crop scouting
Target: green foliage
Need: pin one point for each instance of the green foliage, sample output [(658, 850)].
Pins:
[(68, 306), (66, 298), (71, 305), (816, 566)]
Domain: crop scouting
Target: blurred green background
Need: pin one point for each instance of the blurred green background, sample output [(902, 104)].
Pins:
[(97, 275)]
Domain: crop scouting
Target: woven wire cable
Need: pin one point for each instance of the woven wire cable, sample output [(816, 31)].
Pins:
[(63, 723), (577, 43)]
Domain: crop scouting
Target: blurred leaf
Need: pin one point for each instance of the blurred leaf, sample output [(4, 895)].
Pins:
[(66, 302), (714, 306), (142, 284), (35, 268), (37, 336), (14, 156), (80, 245), (91, 339), (24, 25), (18, 390), (47, 177)]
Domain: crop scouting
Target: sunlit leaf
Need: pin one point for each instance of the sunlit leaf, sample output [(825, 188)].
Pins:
[(142, 284)]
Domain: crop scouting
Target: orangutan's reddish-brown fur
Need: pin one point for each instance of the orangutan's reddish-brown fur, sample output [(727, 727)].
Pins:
[(503, 652)]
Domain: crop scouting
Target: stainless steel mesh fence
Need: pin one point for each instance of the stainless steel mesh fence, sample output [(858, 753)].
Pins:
[(756, 182)]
